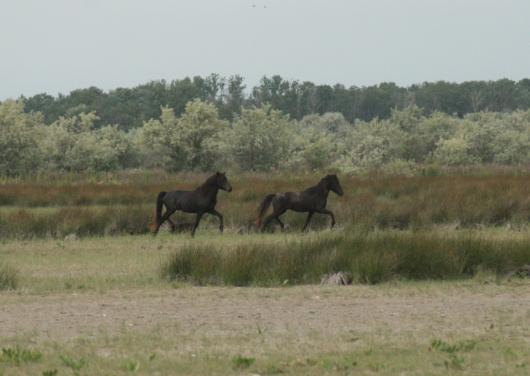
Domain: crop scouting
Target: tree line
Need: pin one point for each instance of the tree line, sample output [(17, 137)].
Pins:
[(131, 107), (259, 139)]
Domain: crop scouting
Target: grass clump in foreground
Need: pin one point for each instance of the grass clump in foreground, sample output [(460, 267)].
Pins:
[(241, 362), (370, 257), (8, 277), (18, 355)]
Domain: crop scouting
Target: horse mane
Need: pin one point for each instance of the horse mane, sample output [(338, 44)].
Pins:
[(323, 182), (208, 183), (321, 185)]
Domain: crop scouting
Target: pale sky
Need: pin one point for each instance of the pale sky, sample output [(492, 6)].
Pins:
[(56, 46)]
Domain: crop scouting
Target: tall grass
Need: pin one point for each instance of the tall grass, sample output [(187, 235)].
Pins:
[(8, 277), (125, 204), (82, 221), (370, 257)]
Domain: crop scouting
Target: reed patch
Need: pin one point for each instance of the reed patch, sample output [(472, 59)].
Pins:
[(370, 257), (124, 206)]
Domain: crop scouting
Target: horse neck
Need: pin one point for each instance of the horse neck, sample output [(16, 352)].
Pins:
[(322, 187), (208, 189)]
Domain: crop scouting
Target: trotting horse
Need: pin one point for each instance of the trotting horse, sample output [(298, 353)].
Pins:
[(202, 200), (312, 200)]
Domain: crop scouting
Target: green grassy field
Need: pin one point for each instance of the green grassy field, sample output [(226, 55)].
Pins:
[(84, 289), (101, 306), (103, 263)]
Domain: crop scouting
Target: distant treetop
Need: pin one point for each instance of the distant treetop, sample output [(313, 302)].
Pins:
[(130, 107)]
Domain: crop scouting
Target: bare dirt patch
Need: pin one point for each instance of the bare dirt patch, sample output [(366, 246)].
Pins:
[(417, 309)]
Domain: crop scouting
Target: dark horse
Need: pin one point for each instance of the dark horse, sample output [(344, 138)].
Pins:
[(202, 200), (312, 200)]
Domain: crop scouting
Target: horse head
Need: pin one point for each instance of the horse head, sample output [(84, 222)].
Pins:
[(222, 182), (334, 184)]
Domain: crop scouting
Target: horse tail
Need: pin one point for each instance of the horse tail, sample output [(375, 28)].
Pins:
[(263, 208), (158, 210)]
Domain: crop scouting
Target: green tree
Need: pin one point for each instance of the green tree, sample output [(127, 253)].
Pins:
[(200, 127), (20, 134), (371, 145), (73, 144), (259, 138), (319, 149), (160, 142), (422, 134), (234, 99), (116, 149), (453, 152)]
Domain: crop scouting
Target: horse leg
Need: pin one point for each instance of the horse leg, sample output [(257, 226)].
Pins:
[(309, 216), (280, 222), (274, 215), (173, 225), (164, 218), (330, 213), (173, 228), (220, 216), (197, 220), (266, 221)]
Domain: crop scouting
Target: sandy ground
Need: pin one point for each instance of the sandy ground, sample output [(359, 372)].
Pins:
[(296, 311)]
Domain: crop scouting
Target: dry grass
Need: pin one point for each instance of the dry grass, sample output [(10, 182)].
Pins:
[(125, 206)]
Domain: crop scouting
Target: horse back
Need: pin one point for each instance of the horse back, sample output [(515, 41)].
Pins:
[(188, 201), (304, 201)]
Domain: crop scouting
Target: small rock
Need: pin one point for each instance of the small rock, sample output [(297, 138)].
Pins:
[(336, 279), (522, 272), (249, 228), (71, 237)]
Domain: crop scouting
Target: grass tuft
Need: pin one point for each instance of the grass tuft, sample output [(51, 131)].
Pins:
[(241, 362), (440, 345), (18, 355), (75, 364), (9, 277)]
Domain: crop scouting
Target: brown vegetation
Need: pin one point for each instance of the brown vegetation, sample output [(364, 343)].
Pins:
[(125, 205)]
